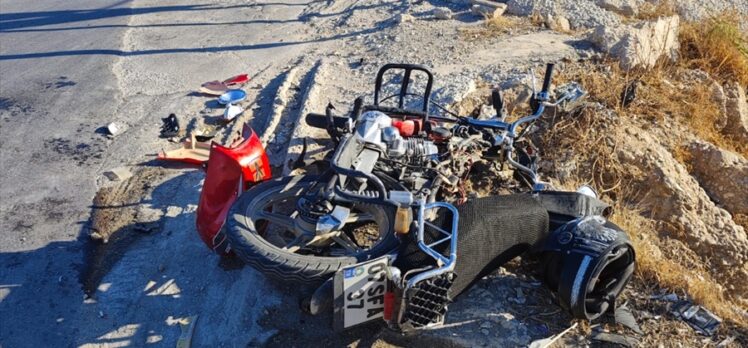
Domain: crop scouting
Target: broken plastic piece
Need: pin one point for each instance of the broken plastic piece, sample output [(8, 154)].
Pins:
[(231, 170), (700, 318), (170, 127), (192, 152), (232, 111)]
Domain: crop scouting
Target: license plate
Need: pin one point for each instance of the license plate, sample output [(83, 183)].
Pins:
[(359, 292)]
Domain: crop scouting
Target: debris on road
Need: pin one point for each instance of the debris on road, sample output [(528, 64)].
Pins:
[(220, 87), (118, 174), (232, 96), (170, 127), (231, 112), (698, 317), (192, 152)]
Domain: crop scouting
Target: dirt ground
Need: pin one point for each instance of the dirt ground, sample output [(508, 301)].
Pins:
[(98, 262)]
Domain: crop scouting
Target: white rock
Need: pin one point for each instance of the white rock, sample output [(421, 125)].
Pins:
[(736, 107), (557, 23), (406, 18), (442, 13), (114, 129), (488, 11), (624, 7), (641, 44)]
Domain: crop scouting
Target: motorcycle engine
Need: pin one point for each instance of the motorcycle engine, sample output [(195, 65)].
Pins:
[(407, 156), (376, 128)]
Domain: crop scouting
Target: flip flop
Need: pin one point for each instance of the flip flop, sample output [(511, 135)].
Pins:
[(213, 88), (236, 81), (220, 87)]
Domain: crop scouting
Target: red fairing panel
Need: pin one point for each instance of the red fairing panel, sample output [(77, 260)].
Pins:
[(230, 169)]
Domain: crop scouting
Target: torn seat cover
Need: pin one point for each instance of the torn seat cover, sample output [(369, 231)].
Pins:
[(230, 171)]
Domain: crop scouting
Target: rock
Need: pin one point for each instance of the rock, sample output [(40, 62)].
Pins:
[(488, 9), (118, 174), (406, 18), (676, 198), (115, 129), (641, 44), (442, 13), (723, 174), (557, 23), (736, 107), (624, 7)]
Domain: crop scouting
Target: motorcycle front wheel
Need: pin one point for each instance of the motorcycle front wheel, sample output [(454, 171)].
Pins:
[(268, 230)]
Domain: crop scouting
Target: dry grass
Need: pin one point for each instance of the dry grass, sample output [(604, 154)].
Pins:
[(654, 265), (496, 26), (650, 11), (716, 46)]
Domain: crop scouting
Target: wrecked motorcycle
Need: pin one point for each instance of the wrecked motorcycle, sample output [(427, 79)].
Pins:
[(378, 222)]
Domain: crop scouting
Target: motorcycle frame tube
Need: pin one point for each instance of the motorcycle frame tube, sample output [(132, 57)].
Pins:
[(448, 263)]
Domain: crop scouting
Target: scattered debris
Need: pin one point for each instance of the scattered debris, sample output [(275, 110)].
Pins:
[(232, 96), (220, 87), (118, 174), (192, 151), (232, 111), (204, 135), (443, 13), (546, 342), (623, 340), (624, 317), (700, 318), (170, 127)]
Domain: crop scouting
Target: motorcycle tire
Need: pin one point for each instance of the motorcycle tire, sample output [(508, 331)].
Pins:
[(285, 265)]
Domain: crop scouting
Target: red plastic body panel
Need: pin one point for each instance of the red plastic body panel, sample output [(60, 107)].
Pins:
[(231, 170)]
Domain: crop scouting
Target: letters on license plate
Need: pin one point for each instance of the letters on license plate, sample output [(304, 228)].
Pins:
[(359, 292)]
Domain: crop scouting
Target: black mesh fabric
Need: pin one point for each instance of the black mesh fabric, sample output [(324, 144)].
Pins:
[(492, 231)]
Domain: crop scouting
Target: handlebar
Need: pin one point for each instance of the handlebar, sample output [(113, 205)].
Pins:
[(548, 78)]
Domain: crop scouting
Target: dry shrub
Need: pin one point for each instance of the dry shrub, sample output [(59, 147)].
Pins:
[(716, 46), (665, 94), (653, 265), (650, 10)]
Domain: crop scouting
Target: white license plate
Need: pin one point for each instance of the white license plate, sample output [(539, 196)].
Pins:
[(359, 292)]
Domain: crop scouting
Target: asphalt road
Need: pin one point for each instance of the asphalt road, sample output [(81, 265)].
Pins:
[(67, 69)]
